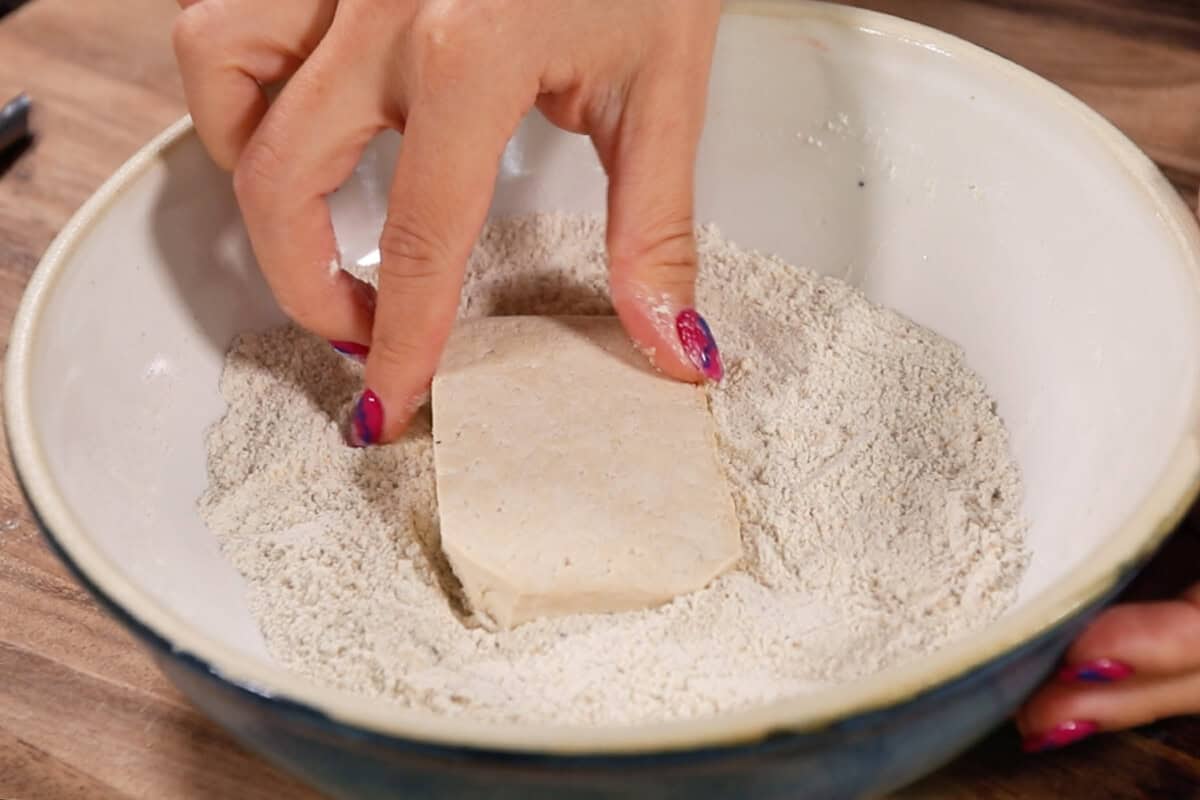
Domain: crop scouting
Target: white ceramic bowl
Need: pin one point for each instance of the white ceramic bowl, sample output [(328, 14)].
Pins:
[(996, 210)]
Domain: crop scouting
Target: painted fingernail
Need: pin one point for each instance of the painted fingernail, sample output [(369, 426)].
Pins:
[(1060, 736), (353, 350), (1101, 670), (366, 420), (699, 344)]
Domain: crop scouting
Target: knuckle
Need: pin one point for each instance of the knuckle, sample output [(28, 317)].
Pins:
[(666, 250), (258, 173), (395, 348), (442, 33), (437, 22), (409, 254)]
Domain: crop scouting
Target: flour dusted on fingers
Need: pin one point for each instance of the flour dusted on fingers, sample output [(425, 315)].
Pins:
[(878, 502)]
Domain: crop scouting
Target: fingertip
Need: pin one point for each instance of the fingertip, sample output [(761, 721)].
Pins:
[(1059, 736), (1149, 638), (1111, 628), (1048, 706), (373, 421), (364, 427), (1112, 707), (1096, 670), (398, 374), (334, 307), (652, 333), (699, 344), (676, 338)]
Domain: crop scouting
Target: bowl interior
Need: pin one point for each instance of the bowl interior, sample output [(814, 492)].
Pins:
[(945, 183)]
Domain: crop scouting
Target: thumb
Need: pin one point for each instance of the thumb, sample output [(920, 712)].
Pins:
[(651, 240)]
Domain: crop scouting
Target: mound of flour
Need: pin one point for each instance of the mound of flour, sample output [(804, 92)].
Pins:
[(879, 505)]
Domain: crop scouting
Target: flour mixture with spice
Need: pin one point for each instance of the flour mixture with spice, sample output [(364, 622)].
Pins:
[(878, 501)]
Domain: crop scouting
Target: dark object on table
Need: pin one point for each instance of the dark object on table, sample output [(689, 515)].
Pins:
[(10, 5), (15, 136), (14, 121)]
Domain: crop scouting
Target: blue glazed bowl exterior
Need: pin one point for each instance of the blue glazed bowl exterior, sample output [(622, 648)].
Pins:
[(862, 756)]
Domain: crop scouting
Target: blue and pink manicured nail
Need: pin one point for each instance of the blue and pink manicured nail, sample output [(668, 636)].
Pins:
[(1101, 670), (699, 344), (1060, 736), (366, 420), (353, 350)]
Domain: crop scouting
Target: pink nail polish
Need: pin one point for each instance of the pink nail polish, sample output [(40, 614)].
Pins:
[(1060, 736), (699, 344), (1101, 670), (353, 350), (366, 420)]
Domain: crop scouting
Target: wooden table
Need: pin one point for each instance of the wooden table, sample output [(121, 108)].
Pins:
[(84, 714)]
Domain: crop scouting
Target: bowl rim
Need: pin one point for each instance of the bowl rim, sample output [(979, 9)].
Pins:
[(1132, 542)]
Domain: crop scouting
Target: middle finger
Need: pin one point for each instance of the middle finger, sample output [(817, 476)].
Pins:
[(229, 49)]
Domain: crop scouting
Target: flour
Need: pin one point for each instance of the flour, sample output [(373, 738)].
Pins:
[(879, 505)]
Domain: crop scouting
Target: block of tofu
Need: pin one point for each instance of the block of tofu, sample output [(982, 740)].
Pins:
[(571, 477)]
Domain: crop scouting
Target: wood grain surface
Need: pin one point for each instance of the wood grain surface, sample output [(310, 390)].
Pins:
[(83, 712)]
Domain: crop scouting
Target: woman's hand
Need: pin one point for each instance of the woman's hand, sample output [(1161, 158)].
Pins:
[(1135, 664), (456, 76)]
